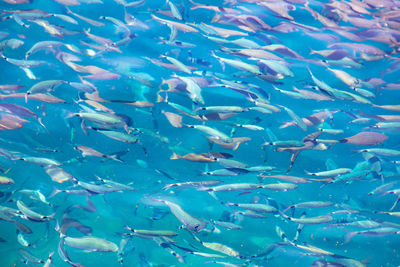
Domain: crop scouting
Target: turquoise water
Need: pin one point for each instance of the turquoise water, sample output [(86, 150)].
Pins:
[(90, 153)]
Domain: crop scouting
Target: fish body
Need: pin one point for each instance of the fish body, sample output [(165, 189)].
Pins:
[(32, 215), (5, 180), (190, 222), (90, 244), (331, 173)]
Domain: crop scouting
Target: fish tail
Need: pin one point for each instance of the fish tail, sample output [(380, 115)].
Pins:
[(284, 215), (127, 227), (55, 192), (395, 203), (288, 208), (69, 114), (298, 232), (50, 217), (309, 173), (174, 156), (160, 98), (348, 236), (115, 157), (75, 181)]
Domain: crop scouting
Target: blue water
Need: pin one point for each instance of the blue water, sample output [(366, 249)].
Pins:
[(53, 129)]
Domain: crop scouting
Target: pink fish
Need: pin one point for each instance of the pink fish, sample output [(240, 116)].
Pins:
[(39, 97), (103, 76), (11, 122), (365, 138)]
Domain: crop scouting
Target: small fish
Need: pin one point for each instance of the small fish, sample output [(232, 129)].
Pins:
[(119, 136), (257, 207), (179, 26), (228, 225), (310, 204), (41, 161), (150, 233), (193, 184), (220, 248), (5, 180), (309, 220), (287, 178), (380, 231), (191, 223), (365, 138), (87, 151), (211, 131), (381, 151), (280, 186), (35, 194), (330, 173), (295, 118), (57, 174), (233, 187), (32, 215), (22, 241), (194, 157), (49, 259), (90, 243), (239, 64)]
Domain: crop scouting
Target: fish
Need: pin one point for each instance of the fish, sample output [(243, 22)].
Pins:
[(49, 260), (257, 207), (180, 26), (220, 248), (280, 186), (90, 244), (190, 222), (40, 161), (119, 136), (330, 173), (194, 157), (381, 151), (87, 151), (150, 233), (197, 100), (380, 231), (32, 215), (365, 138), (233, 187), (309, 220), (5, 180), (211, 132), (239, 64), (57, 174)]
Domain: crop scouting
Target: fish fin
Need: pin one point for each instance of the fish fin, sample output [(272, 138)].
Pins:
[(292, 160), (55, 192), (206, 169), (51, 216), (395, 203), (117, 155), (284, 215), (348, 236), (174, 156), (309, 173), (68, 114), (298, 232)]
